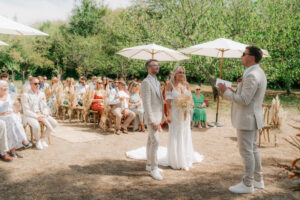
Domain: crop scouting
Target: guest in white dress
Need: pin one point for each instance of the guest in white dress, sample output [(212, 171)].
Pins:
[(16, 137), (136, 106)]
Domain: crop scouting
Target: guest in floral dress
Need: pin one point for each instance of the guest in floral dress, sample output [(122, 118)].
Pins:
[(199, 116)]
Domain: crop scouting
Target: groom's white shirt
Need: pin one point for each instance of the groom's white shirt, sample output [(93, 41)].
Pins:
[(152, 100), (246, 110)]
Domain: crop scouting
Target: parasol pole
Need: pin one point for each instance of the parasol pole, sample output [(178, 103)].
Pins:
[(218, 98), (152, 53)]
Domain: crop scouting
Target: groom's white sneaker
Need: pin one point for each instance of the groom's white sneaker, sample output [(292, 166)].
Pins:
[(241, 188), (148, 168), (156, 175), (259, 185)]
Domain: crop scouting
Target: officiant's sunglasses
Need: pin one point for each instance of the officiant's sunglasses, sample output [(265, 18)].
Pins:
[(246, 54), (36, 83)]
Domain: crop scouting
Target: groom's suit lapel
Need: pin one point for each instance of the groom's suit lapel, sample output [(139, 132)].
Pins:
[(154, 85)]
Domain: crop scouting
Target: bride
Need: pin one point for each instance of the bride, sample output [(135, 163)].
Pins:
[(180, 153)]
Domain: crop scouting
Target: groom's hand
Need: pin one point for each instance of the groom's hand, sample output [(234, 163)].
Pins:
[(155, 126)]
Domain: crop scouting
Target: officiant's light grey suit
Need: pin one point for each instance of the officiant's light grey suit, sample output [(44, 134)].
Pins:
[(154, 113), (247, 118)]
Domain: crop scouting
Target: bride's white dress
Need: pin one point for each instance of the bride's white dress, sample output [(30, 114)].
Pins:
[(180, 153)]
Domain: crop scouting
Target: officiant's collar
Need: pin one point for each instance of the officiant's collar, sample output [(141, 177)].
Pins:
[(249, 68), (153, 77)]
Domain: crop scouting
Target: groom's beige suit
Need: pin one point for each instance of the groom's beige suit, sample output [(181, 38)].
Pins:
[(154, 113), (247, 118)]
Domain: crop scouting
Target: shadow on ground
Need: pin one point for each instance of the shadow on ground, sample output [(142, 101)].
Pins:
[(126, 179)]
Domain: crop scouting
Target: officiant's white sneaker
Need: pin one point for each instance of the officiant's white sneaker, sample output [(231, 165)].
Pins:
[(156, 175), (148, 168), (241, 188), (259, 185)]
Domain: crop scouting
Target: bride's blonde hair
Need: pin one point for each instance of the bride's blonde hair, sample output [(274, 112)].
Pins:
[(175, 71)]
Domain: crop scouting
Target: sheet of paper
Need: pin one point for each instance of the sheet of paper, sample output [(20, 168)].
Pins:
[(227, 83)]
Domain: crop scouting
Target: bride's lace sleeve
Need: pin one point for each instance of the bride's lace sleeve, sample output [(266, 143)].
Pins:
[(169, 95)]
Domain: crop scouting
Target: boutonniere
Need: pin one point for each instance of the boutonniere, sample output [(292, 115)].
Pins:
[(239, 80)]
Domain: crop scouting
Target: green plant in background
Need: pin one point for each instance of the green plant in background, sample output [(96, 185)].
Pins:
[(87, 43)]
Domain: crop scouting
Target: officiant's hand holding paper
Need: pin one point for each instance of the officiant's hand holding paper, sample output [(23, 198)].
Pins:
[(222, 88)]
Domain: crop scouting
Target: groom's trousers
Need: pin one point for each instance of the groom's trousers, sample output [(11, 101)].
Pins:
[(247, 141), (152, 147)]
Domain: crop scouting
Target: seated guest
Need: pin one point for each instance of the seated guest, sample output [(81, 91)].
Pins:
[(5, 77), (26, 86), (81, 89), (98, 101), (105, 84), (35, 110), (45, 82), (135, 105), (42, 82), (67, 89), (199, 116), (15, 132), (92, 83), (118, 99), (52, 94), (110, 83), (3, 143)]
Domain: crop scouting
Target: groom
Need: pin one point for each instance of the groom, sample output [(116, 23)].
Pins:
[(154, 112), (247, 117)]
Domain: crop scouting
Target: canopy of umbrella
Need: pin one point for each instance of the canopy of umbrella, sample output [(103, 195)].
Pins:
[(8, 26), (219, 48), (152, 51)]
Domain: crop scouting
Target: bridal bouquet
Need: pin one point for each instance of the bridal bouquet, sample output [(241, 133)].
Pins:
[(185, 103)]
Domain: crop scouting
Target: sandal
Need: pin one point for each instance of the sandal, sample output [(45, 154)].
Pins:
[(28, 145)]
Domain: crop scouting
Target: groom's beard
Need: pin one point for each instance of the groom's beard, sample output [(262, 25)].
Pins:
[(154, 72)]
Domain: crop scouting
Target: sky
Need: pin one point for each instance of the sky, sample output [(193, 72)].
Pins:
[(31, 11)]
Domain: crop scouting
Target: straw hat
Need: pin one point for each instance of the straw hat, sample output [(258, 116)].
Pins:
[(197, 87), (122, 82), (99, 80)]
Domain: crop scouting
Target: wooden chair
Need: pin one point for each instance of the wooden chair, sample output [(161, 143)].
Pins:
[(268, 125), (42, 132), (96, 117), (64, 109)]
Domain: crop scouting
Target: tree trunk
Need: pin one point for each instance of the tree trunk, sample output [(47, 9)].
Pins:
[(12, 76), (23, 77), (288, 88)]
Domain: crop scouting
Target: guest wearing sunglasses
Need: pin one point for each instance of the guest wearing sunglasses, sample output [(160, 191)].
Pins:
[(199, 116), (35, 110), (247, 117)]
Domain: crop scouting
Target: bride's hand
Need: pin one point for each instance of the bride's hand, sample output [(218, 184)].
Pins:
[(169, 119)]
